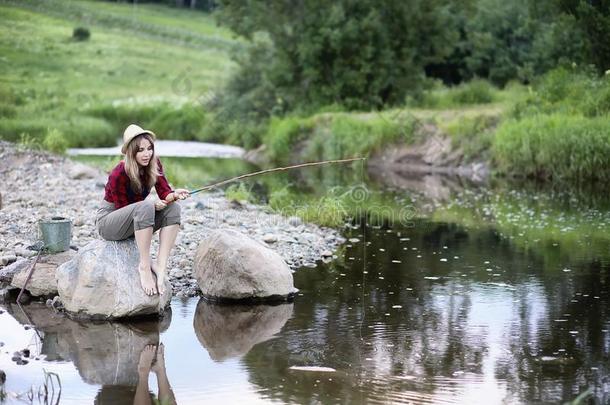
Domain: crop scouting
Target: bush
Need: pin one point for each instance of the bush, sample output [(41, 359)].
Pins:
[(283, 134), (574, 91), (335, 136), (554, 146), (238, 192), (81, 34), (54, 141), (474, 92), (477, 91)]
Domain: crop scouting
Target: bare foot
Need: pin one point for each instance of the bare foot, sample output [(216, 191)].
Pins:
[(159, 364), (146, 358), (146, 278), (160, 278)]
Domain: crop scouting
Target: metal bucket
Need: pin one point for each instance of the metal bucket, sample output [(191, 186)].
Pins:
[(56, 234)]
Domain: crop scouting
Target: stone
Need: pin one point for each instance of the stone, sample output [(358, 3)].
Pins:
[(79, 171), (270, 238), (177, 273), (42, 282), (7, 259), (102, 282), (229, 265), (227, 331), (7, 273), (327, 253)]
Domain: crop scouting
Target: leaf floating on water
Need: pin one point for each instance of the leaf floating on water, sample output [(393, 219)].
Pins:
[(566, 270), (396, 261), (313, 368), (443, 260), (354, 240), (396, 306), (431, 278)]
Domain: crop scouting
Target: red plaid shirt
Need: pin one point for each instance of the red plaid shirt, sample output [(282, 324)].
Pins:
[(119, 192)]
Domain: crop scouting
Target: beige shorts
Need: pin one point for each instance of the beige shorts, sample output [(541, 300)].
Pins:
[(113, 224)]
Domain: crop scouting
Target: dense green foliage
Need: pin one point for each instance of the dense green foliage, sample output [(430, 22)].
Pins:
[(358, 54), (561, 130)]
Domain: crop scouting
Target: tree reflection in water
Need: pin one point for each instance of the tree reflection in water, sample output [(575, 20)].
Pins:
[(488, 322)]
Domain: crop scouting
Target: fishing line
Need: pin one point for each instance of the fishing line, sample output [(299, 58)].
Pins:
[(364, 271)]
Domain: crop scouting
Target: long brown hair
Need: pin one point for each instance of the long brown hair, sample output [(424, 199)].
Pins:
[(136, 172)]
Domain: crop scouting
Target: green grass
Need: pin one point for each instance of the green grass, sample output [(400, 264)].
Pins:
[(138, 66), (557, 146), (473, 134), (239, 192), (336, 135)]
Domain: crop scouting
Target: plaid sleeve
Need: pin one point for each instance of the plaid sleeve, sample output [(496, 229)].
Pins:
[(117, 187), (162, 186)]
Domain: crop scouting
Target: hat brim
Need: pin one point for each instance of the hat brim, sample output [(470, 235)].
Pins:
[(126, 144)]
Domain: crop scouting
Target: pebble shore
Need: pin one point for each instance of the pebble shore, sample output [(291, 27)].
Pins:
[(37, 186)]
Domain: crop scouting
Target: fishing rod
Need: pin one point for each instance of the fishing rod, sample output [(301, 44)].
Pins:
[(243, 176)]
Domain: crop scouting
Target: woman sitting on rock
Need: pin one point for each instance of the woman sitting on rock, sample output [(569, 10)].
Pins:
[(126, 211)]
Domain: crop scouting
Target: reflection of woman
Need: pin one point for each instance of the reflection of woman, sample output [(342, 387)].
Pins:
[(126, 211), (152, 358)]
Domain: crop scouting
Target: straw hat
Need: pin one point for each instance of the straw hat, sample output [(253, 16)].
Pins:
[(131, 132)]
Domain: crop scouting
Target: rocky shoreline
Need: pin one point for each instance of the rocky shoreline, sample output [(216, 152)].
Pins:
[(37, 185)]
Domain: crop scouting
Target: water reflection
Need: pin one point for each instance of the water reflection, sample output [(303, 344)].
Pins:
[(227, 331), (440, 313), (116, 356)]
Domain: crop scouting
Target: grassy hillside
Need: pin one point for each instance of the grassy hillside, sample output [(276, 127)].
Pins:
[(142, 63)]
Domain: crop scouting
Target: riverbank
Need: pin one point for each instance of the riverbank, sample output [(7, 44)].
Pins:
[(38, 185)]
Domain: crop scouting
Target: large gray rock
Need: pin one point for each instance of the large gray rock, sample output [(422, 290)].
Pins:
[(228, 331), (102, 282), (42, 282), (230, 266)]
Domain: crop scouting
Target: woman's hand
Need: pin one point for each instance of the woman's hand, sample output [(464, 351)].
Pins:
[(160, 204), (181, 194)]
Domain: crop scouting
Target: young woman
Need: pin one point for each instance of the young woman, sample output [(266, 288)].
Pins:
[(126, 211)]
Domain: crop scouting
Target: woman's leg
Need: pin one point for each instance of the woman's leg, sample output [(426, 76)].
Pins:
[(167, 238), (143, 240), (135, 219), (168, 221)]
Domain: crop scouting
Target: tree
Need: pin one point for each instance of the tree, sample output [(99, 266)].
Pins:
[(593, 18), (358, 53)]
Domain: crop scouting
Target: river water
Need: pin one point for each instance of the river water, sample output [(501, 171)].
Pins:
[(482, 295)]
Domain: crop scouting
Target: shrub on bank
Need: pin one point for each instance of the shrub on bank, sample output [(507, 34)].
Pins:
[(55, 141), (575, 91), (474, 92), (557, 146), (335, 136)]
